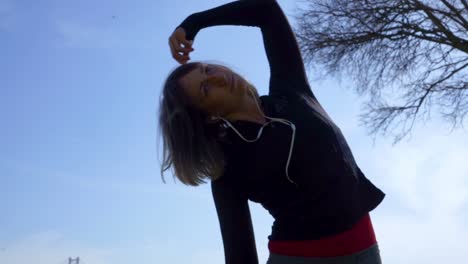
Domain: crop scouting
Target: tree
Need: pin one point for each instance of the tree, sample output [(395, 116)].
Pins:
[(413, 53)]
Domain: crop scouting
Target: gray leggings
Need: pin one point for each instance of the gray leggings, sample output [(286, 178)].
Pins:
[(366, 256)]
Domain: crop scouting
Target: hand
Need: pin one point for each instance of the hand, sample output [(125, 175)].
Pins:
[(176, 40)]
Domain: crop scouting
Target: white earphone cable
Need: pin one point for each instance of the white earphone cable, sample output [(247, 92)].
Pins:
[(284, 121)]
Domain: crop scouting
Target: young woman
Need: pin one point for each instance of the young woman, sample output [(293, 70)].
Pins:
[(281, 150)]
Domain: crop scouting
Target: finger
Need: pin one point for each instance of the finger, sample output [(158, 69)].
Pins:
[(184, 50), (174, 51), (171, 45), (178, 49), (187, 43), (185, 59), (182, 61), (183, 55)]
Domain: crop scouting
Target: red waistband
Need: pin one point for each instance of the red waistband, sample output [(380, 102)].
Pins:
[(359, 237)]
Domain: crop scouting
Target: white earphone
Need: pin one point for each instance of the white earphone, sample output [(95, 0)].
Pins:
[(273, 119)]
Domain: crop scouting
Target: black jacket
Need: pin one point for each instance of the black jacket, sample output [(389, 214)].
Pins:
[(332, 192)]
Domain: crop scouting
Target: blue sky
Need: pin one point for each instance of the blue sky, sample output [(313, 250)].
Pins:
[(79, 165)]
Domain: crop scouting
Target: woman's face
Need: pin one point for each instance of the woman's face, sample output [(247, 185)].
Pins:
[(215, 89)]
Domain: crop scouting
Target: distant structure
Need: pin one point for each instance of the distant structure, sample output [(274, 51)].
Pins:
[(74, 261)]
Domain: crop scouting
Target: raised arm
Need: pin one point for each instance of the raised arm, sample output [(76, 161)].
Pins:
[(287, 73), (235, 222)]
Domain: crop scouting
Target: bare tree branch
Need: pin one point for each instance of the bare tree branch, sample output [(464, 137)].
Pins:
[(465, 4), (412, 52), (455, 14), (455, 41)]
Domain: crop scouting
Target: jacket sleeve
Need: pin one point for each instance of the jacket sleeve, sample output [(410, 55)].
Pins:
[(287, 73), (235, 222)]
